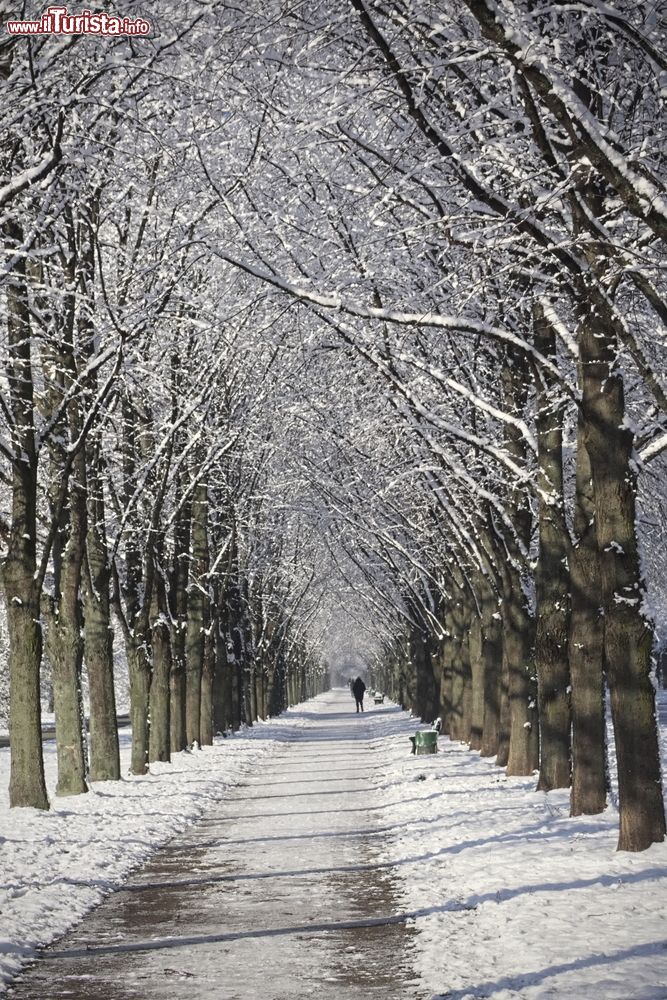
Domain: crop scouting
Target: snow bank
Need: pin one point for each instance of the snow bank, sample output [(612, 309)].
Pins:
[(512, 897)]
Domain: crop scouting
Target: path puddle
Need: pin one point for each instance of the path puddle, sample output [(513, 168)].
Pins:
[(375, 957)]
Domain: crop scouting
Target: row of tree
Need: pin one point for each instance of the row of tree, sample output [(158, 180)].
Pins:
[(510, 161), (136, 391)]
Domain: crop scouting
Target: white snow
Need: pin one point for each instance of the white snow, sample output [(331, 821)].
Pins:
[(515, 899), (511, 897)]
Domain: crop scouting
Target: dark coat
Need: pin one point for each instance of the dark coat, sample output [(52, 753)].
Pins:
[(358, 689)]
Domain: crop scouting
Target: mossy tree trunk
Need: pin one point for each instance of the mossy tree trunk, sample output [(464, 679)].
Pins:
[(68, 510), (22, 592)]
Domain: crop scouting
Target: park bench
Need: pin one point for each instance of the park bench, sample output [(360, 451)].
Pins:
[(425, 741)]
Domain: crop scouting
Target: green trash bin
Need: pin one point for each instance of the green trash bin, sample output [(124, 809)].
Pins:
[(425, 741)]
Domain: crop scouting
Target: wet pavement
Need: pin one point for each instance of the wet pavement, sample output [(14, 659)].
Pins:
[(276, 894)]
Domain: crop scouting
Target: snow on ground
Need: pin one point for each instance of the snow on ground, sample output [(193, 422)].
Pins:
[(512, 899)]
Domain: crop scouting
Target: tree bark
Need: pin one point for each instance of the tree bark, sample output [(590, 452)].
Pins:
[(140, 674), (492, 652), (197, 614), (97, 630), (477, 667), (64, 643), (427, 701), (586, 647), (179, 616), (159, 744), (139, 575), (447, 654), (551, 574), (65, 651), (456, 720), (518, 627), (250, 705), (522, 756), (466, 706), (221, 693), (206, 712), (504, 718), (628, 634), (26, 786)]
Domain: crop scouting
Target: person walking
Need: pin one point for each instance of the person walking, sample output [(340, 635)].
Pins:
[(358, 689)]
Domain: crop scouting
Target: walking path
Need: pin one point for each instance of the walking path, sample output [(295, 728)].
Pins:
[(275, 894)]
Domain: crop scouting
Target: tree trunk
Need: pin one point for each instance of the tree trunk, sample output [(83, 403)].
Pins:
[(68, 508), (140, 676), (447, 655), (426, 701), (492, 651), (477, 665), (222, 677), (206, 711), (272, 672), (551, 574), (64, 635), (65, 651), (628, 633), (261, 682), (249, 693), (522, 757), (466, 705), (159, 744), (586, 646), (518, 628), (197, 614), (179, 613), (249, 662), (139, 576), (504, 718), (97, 632), (26, 786), (235, 667), (461, 678), (96, 571), (275, 694)]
